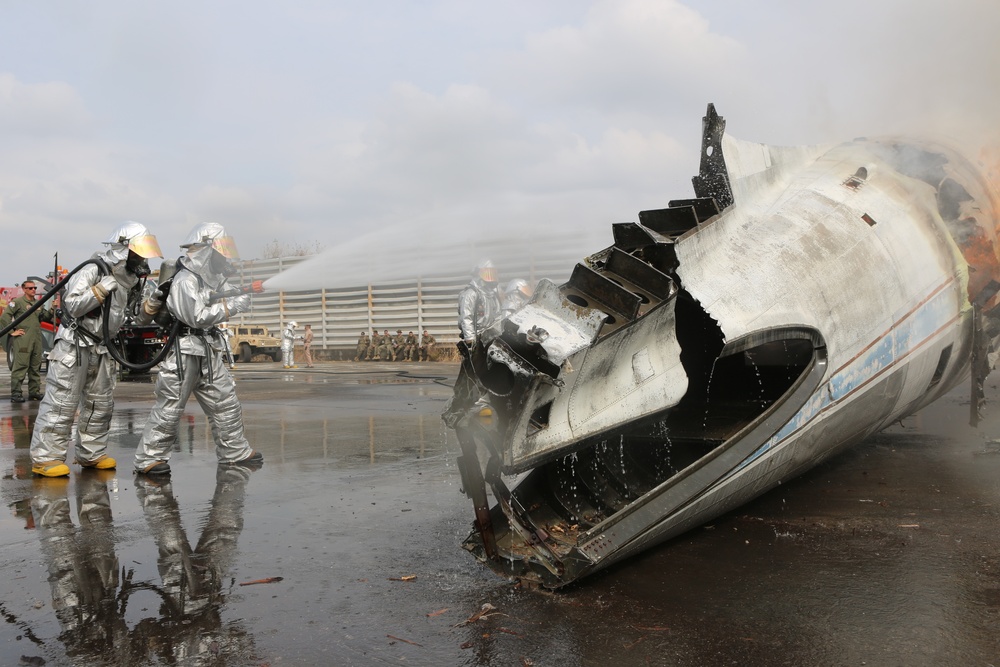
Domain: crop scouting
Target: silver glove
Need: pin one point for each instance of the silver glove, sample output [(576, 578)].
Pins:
[(154, 303), (238, 304)]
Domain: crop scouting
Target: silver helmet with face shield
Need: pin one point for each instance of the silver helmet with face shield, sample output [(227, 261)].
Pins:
[(211, 238), (131, 241)]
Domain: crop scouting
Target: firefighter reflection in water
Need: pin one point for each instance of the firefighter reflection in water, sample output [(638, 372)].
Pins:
[(90, 599)]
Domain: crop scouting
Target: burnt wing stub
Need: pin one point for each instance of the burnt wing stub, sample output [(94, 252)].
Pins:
[(712, 180)]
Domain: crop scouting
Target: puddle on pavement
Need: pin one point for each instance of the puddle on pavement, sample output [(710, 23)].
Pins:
[(348, 541)]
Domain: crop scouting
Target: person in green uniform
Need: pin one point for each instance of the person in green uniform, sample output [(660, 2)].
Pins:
[(361, 353), (427, 343), (27, 342), (411, 347)]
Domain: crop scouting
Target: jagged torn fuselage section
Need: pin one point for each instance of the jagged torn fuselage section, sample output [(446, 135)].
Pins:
[(709, 354)]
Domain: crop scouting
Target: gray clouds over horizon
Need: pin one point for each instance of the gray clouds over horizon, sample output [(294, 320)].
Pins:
[(328, 121)]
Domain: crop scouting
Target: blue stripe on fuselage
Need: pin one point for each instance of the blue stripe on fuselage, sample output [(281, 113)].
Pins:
[(908, 334)]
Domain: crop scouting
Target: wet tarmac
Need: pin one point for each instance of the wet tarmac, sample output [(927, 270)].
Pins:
[(344, 549)]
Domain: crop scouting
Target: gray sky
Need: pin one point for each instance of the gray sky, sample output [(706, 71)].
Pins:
[(378, 124)]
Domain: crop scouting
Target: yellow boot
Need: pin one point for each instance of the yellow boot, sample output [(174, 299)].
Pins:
[(50, 468), (103, 462)]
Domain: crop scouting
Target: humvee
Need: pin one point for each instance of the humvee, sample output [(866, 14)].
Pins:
[(246, 342)]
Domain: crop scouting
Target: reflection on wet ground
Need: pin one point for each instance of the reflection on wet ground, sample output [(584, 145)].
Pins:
[(343, 549)]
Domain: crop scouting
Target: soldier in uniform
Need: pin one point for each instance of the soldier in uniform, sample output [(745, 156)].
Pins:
[(27, 343), (385, 346), (427, 343), (411, 346), (373, 347), (399, 346), (361, 352)]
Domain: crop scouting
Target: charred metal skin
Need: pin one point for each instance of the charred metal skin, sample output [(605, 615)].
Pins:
[(803, 300)]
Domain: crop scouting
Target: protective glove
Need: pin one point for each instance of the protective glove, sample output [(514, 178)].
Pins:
[(104, 287), (238, 304), (153, 303), (109, 284)]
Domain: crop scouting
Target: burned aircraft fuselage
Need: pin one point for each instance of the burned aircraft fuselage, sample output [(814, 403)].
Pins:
[(804, 299)]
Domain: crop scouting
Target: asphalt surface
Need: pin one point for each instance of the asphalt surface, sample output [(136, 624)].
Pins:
[(344, 548)]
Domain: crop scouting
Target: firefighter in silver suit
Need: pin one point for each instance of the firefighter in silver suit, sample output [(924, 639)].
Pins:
[(82, 375), (196, 363), (288, 338), (515, 295), (478, 311), (479, 303)]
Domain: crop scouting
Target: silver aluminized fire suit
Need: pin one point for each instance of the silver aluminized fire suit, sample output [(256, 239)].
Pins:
[(478, 308), (515, 295), (478, 311), (288, 338), (194, 580), (200, 367), (82, 375), (83, 569)]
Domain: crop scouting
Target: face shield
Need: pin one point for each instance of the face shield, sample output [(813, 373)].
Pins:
[(145, 246), (213, 248), (132, 242), (486, 273), (225, 245)]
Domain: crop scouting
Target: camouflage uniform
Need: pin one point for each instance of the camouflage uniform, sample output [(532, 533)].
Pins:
[(399, 346), (376, 340), (27, 347), (427, 343), (385, 347), (361, 352), (411, 346)]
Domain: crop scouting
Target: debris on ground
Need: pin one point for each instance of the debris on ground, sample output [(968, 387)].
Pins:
[(267, 580), (484, 612), (400, 639)]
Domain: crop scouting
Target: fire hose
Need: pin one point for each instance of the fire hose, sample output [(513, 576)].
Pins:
[(108, 340)]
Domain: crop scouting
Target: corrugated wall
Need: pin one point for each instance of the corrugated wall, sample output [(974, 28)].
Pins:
[(338, 315)]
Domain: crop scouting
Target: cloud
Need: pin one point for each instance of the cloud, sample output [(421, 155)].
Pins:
[(324, 124), (626, 56), (40, 110)]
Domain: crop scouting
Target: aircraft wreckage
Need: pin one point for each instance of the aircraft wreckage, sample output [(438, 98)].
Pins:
[(804, 299)]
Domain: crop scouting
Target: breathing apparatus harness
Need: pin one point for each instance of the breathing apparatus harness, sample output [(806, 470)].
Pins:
[(164, 319), (108, 340), (177, 328)]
